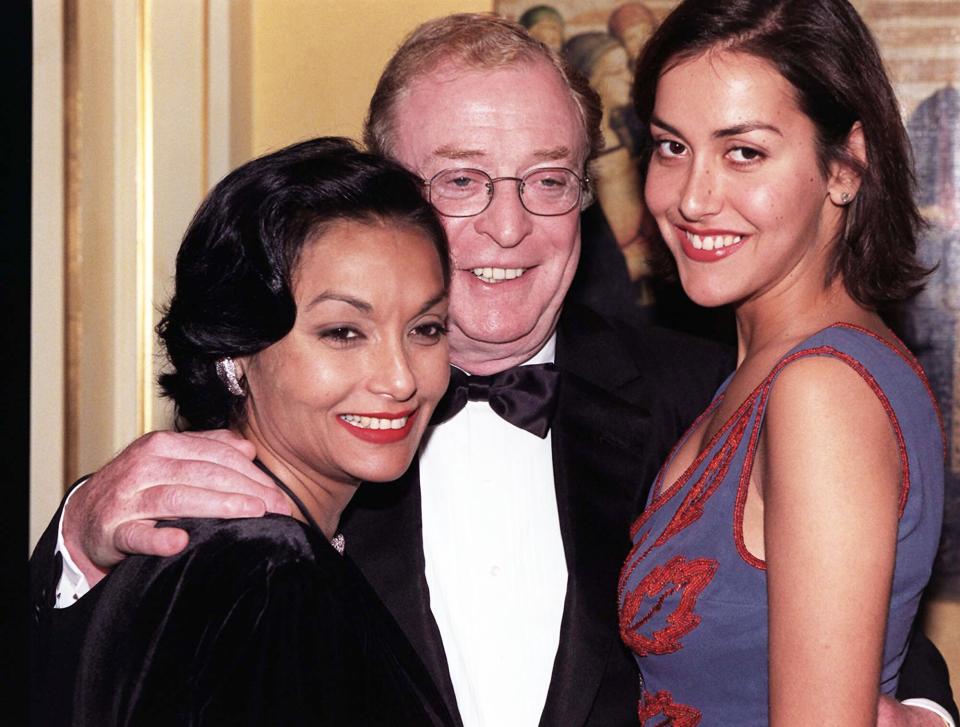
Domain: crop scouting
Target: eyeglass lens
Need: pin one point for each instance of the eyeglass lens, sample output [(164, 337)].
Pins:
[(468, 192)]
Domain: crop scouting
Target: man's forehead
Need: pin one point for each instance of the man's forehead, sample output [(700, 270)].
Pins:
[(457, 152), (448, 90)]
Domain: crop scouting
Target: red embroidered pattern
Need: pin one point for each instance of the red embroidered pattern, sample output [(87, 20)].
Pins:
[(678, 582), (662, 705), (741, 501), (691, 509), (660, 497), (659, 482)]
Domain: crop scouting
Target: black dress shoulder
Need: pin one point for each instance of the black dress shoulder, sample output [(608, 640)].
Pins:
[(257, 622)]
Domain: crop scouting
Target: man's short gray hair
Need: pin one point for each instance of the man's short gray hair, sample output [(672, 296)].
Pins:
[(475, 41)]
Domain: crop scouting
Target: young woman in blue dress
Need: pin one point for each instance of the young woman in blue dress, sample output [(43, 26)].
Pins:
[(777, 570)]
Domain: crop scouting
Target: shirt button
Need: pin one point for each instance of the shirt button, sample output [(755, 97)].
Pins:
[(495, 571)]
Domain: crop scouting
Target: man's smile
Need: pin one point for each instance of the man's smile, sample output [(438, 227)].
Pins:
[(498, 275)]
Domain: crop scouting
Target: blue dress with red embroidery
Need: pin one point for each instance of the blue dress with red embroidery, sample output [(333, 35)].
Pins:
[(693, 603)]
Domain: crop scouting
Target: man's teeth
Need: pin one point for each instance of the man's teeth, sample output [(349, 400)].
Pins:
[(496, 275), (362, 422), (713, 242)]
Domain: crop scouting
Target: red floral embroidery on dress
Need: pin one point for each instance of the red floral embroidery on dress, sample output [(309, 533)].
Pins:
[(662, 705), (658, 496), (677, 584), (691, 508)]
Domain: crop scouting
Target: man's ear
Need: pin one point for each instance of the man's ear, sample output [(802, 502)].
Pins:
[(844, 179)]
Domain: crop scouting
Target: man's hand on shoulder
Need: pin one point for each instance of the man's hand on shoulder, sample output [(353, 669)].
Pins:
[(163, 475)]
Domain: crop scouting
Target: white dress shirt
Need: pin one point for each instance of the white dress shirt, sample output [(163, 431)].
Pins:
[(73, 584), (495, 562)]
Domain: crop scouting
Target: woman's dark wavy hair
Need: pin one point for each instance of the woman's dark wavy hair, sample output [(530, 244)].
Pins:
[(823, 48), (237, 261)]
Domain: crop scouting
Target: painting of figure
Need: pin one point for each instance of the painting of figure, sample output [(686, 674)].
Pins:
[(932, 320)]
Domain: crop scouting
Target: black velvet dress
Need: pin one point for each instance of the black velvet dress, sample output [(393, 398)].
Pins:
[(257, 622)]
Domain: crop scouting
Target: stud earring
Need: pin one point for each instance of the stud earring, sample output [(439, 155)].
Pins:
[(227, 372), (845, 198)]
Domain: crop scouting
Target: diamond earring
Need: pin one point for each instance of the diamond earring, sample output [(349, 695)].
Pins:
[(227, 372)]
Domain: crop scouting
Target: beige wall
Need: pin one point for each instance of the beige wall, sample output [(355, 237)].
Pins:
[(47, 278), (315, 64)]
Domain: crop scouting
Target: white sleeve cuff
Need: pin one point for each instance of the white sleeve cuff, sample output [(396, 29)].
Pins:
[(73, 584), (933, 707)]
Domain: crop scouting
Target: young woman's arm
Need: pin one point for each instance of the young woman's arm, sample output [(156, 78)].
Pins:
[(830, 478)]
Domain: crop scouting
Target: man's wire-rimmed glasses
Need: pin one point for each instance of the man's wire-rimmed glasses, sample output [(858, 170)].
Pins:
[(547, 191)]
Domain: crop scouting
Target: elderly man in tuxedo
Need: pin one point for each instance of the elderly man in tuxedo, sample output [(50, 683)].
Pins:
[(498, 552)]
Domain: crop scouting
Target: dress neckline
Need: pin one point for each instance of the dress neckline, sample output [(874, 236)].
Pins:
[(337, 541), (660, 488)]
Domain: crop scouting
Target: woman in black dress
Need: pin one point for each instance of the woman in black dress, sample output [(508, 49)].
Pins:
[(309, 315)]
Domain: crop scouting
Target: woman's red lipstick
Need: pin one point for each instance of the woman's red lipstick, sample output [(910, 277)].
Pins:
[(379, 436)]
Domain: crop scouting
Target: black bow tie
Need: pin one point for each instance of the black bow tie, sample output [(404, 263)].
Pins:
[(525, 395)]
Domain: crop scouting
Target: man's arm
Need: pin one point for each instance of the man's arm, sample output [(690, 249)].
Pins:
[(923, 676), (163, 475), (892, 713)]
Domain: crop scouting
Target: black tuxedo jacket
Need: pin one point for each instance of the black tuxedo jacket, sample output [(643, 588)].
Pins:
[(625, 397)]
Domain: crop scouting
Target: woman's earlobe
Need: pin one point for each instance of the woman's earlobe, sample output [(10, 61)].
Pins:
[(841, 199)]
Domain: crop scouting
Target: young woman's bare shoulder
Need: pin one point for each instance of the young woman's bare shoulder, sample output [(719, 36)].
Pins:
[(827, 416)]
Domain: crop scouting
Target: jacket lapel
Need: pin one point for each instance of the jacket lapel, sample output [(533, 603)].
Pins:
[(598, 463), (389, 513)]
